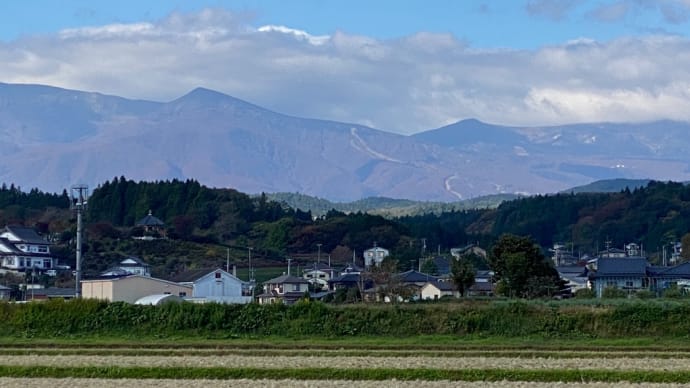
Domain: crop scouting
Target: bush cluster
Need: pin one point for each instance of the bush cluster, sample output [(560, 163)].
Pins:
[(84, 318)]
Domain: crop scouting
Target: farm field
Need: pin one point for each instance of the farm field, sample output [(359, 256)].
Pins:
[(266, 364)]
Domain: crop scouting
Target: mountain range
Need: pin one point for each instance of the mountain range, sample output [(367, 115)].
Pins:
[(52, 138)]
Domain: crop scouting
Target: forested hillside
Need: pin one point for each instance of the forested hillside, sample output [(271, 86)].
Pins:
[(204, 226)]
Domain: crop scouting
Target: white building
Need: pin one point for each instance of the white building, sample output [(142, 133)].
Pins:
[(374, 256), (131, 265), (21, 248), (215, 286)]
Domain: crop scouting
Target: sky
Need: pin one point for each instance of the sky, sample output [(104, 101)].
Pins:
[(402, 66)]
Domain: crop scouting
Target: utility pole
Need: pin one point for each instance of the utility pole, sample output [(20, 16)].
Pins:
[(251, 270), (227, 260), (318, 257), (78, 195)]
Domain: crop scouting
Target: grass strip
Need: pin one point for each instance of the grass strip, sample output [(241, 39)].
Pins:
[(114, 372), (342, 353)]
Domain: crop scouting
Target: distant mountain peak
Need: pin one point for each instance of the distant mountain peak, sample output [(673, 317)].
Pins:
[(205, 98), (201, 94)]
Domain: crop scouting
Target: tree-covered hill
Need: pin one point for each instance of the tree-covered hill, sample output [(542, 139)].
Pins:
[(387, 207), (207, 226)]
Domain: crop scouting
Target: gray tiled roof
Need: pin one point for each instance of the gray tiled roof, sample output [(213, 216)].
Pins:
[(150, 220), (621, 266), (25, 234), (286, 279), (413, 276)]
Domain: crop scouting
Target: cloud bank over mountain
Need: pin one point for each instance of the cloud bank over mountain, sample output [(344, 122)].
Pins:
[(404, 85)]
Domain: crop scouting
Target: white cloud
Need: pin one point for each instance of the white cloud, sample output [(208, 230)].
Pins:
[(406, 85), (315, 40)]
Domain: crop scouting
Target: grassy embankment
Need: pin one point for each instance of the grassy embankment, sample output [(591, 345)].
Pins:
[(635, 341)]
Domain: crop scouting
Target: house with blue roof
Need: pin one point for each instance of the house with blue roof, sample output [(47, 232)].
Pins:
[(625, 273), (634, 274)]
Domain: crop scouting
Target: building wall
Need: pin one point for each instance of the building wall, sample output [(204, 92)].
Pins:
[(209, 286), (622, 283), (130, 289), (97, 289)]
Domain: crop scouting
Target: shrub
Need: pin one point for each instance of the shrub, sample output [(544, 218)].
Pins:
[(585, 293), (613, 292), (645, 294)]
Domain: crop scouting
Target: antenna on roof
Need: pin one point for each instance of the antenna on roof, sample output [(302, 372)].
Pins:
[(78, 195)]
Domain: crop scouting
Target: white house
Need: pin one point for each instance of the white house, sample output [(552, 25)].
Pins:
[(130, 265), (215, 286), (319, 274), (374, 256), (436, 290), (21, 248)]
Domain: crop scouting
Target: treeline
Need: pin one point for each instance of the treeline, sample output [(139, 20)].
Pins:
[(123, 202), (91, 318), (653, 216)]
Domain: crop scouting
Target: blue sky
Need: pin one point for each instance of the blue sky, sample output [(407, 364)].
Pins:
[(402, 66), (485, 24)]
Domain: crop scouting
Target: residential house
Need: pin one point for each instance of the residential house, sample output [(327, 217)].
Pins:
[(483, 284), (215, 285), (439, 266), (49, 293), (625, 273), (284, 289), (129, 266), (130, 288), (574, 276), (662, 278), (436, 290), (318, 274), (468, 249), (21, 248), (374, 256), (415, 278)]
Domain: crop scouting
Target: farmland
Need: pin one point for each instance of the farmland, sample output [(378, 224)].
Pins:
[(324, 364)]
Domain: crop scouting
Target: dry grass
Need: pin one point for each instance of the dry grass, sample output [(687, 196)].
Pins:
[(132, 383), (243, 361)]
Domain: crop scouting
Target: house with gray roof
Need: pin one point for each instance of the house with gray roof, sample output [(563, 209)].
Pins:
[(434, 290), (130, 265), (283, 289), (21, 248), (625, 273)]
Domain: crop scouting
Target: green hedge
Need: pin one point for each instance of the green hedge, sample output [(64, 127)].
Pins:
[(80, 318)]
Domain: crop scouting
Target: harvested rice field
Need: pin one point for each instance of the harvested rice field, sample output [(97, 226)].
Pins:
[(285, 366)]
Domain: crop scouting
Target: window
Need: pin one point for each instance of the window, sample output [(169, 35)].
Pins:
[(297, 287), (182, 294), (43, 249), (217, 275), (629, 283)]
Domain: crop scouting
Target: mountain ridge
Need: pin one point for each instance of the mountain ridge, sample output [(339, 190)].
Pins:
[(53, 137)]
